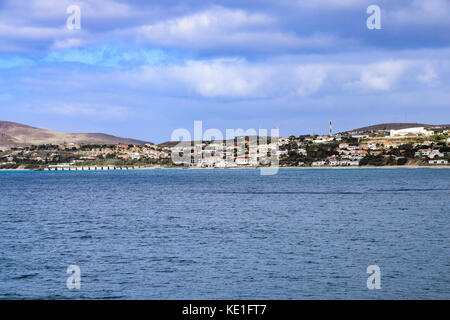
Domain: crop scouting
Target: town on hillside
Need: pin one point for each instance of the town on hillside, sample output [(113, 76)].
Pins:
[(418, 146)]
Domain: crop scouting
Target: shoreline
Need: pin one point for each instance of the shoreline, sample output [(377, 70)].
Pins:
[(242, 168)]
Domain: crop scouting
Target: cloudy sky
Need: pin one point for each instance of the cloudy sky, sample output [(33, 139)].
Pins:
[(144, 68)]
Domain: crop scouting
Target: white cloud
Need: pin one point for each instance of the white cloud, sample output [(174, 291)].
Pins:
[(332, 4), (240, 79), (31, 33), (205, 29), (23, 22), (211, 78), (428, 76), (205, 23), (83, 110), (428, 12), (311, 78), (220, 27), (219, 78), (43, 10), (380, 76), (282, 27), (217, 28), (68, 43), (231, 78)]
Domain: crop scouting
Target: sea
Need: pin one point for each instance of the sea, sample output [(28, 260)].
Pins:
[(225, 234)]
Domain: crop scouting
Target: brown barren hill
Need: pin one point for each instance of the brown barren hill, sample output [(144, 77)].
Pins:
[(397, 126), (15, 134)]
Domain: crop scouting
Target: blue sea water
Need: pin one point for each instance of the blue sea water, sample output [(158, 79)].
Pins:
[(225, 234)]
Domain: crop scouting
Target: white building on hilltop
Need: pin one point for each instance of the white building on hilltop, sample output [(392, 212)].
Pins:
[(415, 130)]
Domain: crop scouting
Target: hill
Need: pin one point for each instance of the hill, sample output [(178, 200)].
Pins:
[(15, 134), (396, 126)]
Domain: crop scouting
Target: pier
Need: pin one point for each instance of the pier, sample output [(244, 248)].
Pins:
[(86, 168)]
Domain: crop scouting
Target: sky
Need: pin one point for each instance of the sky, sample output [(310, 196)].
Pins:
[(142, 69)]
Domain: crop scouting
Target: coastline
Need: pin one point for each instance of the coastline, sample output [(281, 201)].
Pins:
[(242, 168)]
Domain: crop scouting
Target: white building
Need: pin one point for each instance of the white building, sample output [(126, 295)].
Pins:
[(438, 161), (435, 154), (135, 155), (323, 139), (333, 162), (372, 146), (360, 136), (263, 148), (221, 164), (210, 161), (242, 161), (415, 130)]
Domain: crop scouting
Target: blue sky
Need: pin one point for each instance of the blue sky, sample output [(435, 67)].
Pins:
[(145, 68)]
